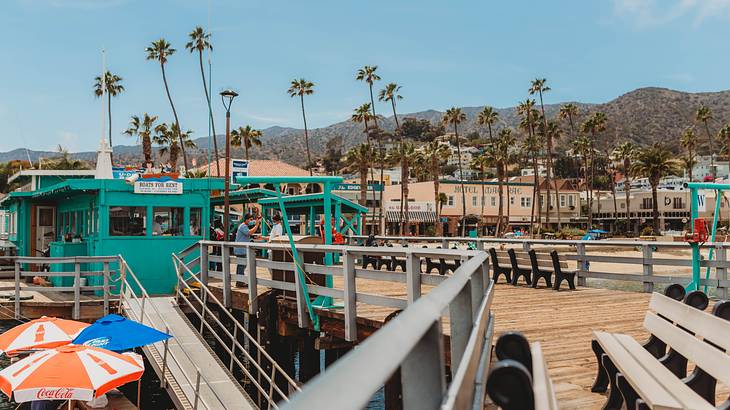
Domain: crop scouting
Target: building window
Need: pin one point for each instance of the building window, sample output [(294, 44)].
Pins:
[(450, 201), (493, 200), (195, 218), (571, 200), (646, 203), (474, 200), (127, 221), (525, 202), (167, 221), (622, 205), (678, 203), (511, 200), (562, 200)]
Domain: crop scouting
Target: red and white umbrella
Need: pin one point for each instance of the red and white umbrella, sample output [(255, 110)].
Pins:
[(71, 372), (43, 333)]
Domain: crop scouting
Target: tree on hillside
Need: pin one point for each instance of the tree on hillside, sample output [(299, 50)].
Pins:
[(160, 51), (358, 159), (142, 128), (454, 116), (689, 143), (300, 88), (434, 154), (723, 136), (655, 162), (569, 112), (488, 116), (704, 115), (112, 85), (248, 137), (200, 41), (625, 153), (420, 130)]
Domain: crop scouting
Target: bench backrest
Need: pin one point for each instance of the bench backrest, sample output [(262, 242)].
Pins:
[(705, 327), (544, 261)]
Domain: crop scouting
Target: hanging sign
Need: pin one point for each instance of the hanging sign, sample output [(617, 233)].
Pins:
[(239, 168), (152, 186), (701, 201)]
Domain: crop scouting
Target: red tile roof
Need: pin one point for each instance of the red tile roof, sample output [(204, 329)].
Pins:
[(261, 167)]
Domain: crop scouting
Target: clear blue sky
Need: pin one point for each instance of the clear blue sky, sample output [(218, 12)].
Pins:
[(443, 53)]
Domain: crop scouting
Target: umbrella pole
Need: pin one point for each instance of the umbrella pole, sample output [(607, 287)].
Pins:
[(139, 392), (69, 405)]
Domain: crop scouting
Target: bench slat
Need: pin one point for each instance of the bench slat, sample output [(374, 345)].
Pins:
[(707, 326), (648, 388), (680, 391), (542, 386), (710, 359)]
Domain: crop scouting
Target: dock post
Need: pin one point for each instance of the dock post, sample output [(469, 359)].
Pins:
[(226, 255), (350, 297), (204, 266), (721, 270), (422, 372), (77, 291), (252, 282), (17, 290), (413, 277), (106, 288), (582, 264), (646, 251)]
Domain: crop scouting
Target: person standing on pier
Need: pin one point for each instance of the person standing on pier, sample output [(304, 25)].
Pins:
[(246, 229), (276, 229)]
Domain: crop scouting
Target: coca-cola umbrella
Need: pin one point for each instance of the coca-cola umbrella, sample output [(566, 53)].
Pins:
[(42, 333), (71, 372)]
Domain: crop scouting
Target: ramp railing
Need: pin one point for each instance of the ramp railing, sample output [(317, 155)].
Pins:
[(263, 371)]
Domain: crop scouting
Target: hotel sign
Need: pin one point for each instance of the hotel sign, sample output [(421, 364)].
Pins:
[(394, 206), (158, 187), (356, 187), (475, 189)]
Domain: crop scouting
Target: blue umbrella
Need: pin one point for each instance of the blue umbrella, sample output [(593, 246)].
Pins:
[(117, 333)]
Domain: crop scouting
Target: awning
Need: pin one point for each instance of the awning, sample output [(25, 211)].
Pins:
[(413, 216)]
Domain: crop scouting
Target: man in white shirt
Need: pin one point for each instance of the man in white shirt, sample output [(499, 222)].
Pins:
[(276, 229)]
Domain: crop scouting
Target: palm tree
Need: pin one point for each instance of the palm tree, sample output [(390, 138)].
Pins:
[(362, 114), (723, 135), (167, 137), (390, 94), (655, 162), (625, 152), (302, 87), (581, 146), (142, 128), (593, 126), (569, 112), (529, 114), (247, 137), (552, 133), (481, 162), (505, 142), (454, 116), (434, 154), (704, 115), (160, 51), (111, 84), (405, 154), (488, 116), (359, 158), (65, 161), (689, 142), (538, 86), (368, 75), (200, 41), (531, 147)]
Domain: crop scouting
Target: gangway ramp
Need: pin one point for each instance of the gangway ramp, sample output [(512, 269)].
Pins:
[(187, 357)]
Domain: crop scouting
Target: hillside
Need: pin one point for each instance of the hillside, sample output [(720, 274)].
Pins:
[(645, 115)]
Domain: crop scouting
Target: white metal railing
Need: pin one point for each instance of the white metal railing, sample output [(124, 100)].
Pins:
[(128, 297), (579, 251), (266, 368), (413, 343)]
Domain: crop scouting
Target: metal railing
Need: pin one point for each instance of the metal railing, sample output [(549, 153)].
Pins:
[(199, 306), (579, 251), (345, 265), (23, 270), (128, 297), (413, 343)]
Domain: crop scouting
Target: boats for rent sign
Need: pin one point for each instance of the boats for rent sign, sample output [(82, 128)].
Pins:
[(147, 186), (239, 168)]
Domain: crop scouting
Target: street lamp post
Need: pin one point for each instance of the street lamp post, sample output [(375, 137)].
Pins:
[(227, 97)]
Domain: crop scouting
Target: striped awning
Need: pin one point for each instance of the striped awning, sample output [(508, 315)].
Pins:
[(413, 216)]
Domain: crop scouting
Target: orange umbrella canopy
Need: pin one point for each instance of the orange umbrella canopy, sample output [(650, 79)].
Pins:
[(71, 372), (43, 333)]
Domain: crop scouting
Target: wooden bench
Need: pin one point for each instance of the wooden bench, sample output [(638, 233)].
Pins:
[(533, 265), (641, 380), (441, 265), (519, 380)]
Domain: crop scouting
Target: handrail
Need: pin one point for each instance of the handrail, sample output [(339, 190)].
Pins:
[(412, 342), (200, 378), (207, 314)]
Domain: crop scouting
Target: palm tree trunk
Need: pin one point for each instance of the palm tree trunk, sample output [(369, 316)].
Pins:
[(655, 209), (590, 183), (500, 209), (615, 202), (549, 164), (245, 146), (210, 114), (109, 113), (306, 136), (363, 184), (435, 171), (507, 222), (147, 150), (372, 176), (461, 180), (627, 191), (535, 196), (482, 210), (712, 156), (177, 121), (407, 224), (381, 159)]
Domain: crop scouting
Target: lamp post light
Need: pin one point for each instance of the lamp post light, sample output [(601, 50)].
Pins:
[(227, 97)]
